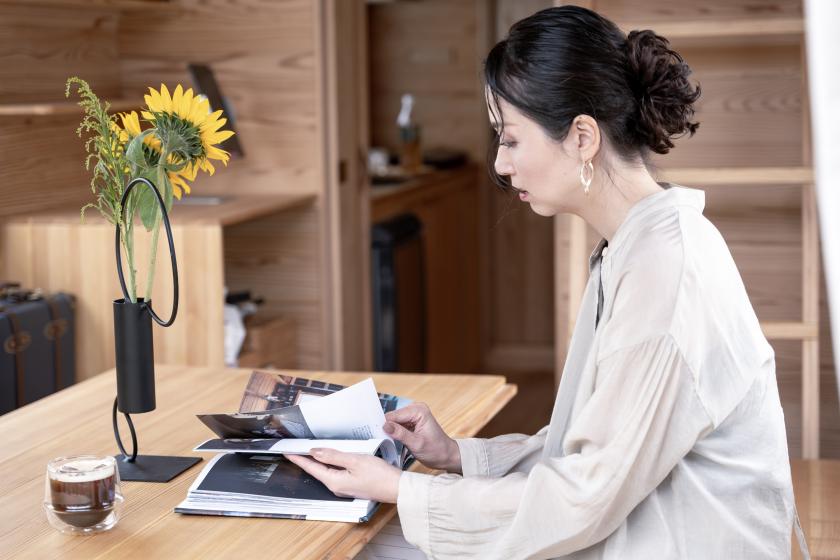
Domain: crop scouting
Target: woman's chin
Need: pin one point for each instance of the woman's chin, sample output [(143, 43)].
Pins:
[(542, 210)]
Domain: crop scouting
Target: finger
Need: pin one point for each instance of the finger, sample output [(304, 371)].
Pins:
[(408, 414), (333, 457), (313, 467), (399, 433)]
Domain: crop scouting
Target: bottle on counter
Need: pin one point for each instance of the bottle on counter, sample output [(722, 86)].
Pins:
[(409, 133)]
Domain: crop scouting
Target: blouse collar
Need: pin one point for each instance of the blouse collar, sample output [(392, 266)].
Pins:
[(671, 195)]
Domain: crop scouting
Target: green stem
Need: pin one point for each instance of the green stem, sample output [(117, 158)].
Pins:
[(127, 241), (155, 232), (129, 249)]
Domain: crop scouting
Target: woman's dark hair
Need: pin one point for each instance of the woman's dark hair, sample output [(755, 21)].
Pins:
[(566, 61)]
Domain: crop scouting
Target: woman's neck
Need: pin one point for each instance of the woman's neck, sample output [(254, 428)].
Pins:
[(612, 195)]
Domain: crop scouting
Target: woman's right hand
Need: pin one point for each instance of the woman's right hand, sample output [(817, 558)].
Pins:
[(418, 430)]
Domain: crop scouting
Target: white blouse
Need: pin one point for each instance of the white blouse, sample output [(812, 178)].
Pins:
[(667, 438)]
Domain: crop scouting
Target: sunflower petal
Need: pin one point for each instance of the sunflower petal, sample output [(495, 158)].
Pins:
[(219, 137), (166, 99), (177, 97)]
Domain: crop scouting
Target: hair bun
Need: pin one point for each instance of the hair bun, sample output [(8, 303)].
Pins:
[(658, 77)]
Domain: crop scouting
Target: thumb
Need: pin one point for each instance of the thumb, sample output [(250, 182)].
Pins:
[(399, 433)]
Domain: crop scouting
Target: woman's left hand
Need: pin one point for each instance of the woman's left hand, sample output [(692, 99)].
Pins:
[(352, 475)]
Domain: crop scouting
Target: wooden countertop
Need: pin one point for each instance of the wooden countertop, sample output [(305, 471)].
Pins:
[(387, 200), (194, 210), (78, 420)]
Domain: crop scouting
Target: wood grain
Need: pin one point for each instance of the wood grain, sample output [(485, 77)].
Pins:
[(77, 420), (816, 485), (431, 50), (53, 251), (446, 204), (347, 235)]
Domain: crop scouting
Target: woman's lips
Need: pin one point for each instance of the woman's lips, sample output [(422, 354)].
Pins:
[(523, 195)]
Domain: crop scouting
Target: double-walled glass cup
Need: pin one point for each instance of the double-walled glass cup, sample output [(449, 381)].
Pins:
[(82, 494)]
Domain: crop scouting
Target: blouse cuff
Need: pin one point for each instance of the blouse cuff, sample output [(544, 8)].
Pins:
[(413, 507), (473, 457)]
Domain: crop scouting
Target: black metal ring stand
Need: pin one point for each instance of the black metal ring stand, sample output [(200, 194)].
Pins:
[(131, 185), (133, 456), (151, 468), (158, 320)]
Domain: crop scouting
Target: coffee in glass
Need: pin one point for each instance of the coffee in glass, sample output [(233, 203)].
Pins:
[(82, 494)]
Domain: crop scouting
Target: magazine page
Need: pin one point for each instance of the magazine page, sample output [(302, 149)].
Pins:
[(280, 423), (262, 475), (269, 391), (246, 485), (351, 413), (302, 446)]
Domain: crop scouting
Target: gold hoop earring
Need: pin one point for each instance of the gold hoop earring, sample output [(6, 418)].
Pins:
[(587, 173)]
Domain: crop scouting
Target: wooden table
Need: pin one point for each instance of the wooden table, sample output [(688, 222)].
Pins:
[(816, 485), (78, 420)]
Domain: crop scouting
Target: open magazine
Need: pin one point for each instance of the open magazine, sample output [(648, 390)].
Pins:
[(282, 415)]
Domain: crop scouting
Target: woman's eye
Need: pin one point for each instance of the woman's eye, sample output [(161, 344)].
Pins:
[(508, 143)]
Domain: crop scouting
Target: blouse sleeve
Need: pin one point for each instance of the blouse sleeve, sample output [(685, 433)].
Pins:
[(500, 455), (642, 418)]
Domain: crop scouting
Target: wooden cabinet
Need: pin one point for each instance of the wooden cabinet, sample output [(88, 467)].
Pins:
[(447, 205), (246, 242), (275, 65)]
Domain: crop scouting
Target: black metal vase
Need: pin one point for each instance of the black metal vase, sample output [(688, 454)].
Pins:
[(135, 364), (135, 353)]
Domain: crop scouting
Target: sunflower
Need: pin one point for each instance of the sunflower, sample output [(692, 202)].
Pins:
[(187, 119), (152, 149)]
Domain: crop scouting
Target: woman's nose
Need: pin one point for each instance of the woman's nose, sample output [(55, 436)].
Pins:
[(502, 164)]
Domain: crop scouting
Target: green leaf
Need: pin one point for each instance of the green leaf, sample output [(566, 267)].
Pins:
[(147, 203), (134, 151), (167, 193)]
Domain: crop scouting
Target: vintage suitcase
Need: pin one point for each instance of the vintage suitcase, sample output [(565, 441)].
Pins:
[(37, 345)]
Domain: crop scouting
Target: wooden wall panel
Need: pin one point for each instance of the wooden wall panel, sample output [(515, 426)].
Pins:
[(347, 199), (40, 47), (265, 59), (750, 110), (27, 181), (521, 277), (268, 61), (277, 258), (62, 256), (429, 49), (681, 10)]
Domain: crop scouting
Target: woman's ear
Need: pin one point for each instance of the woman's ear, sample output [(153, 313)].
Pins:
[(584, 138)]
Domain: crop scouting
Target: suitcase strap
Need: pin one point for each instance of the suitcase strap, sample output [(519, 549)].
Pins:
[(16, 344), (54, 331)]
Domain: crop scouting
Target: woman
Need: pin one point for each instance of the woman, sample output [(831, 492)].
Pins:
[(667, 438)]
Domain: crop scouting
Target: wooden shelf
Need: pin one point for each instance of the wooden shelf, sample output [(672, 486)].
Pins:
[(126, 5), (226, 211), (703, 177), (761, 28), (790, 330), (236, 209), (60, 108)]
